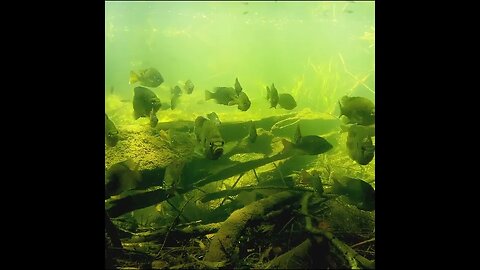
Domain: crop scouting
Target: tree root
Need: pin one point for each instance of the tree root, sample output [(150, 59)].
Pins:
[(350, 255), (296, 258), (225, 239)]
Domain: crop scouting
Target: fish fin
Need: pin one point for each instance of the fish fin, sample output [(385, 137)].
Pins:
[(341, 109), (208, 95), (298, 135), (287, 146), (233, 102), (133, 78)]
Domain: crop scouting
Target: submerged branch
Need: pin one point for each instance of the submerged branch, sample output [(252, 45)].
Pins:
[(226, 238), (350, 255)]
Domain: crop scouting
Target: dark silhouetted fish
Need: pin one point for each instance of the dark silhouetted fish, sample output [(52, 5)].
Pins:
[(311, 179), (149, 77), (357, 192), (175, 94), (228, 96), (242, 101), (188, 87), (144, 101), (359, 144), (272, 95), (121, 177), (286, 101), (358, 110), (310, 145)]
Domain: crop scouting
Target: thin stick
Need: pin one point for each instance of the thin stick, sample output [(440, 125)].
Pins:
[(254, 172), (284, 226), (176, 209), (280, 172), (364, 242), (357, 81), (171, 227), (238, 179), (200, 189), (289, 237)]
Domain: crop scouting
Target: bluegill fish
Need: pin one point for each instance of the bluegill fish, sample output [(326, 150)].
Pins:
[(121, 177), (272, 96), (357, 192), (286, 101), (209, 137), (228, 96), (188, 87), (149, 77), (144, 102), (309, 145), (175, 94), (358, 110), (359, 144)]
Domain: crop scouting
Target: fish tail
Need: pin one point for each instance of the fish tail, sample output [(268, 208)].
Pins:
[(208, 95), (133, 78), (268, 93)]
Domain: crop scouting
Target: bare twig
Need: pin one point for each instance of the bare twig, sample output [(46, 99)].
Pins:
[(357, 80), (256, 176), (171, 227), (178, 211), (234, 184), (280, 172), (364, 242), (349, 254), (284, 226)]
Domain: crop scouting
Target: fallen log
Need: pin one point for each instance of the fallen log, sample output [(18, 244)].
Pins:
[(236, 191), (129, 203), (297, 258)]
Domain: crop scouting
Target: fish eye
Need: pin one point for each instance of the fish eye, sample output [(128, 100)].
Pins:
[(223, 143)]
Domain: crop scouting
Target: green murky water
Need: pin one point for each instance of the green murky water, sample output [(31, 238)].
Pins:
[(317, 52)]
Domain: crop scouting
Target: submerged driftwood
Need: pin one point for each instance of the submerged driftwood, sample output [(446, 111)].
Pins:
[(297, 258), (129, 203), (227, 236), (177, 234), (344, 251)]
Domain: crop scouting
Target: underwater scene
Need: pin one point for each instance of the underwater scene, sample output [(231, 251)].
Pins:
[(240, 135)]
